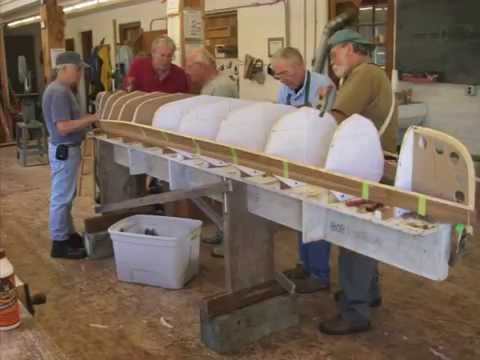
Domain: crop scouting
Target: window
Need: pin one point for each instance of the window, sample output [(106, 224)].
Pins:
[(375, 21), (372, 23)]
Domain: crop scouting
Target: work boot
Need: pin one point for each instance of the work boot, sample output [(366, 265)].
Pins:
[(375, 303), (306, 283), (76, 241), (63, 249), (297, 273), (310, 285), (339, 326), (218, 251), (215, 240)]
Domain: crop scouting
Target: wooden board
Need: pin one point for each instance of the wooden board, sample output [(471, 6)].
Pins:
[(108, 103), (118, 104), (438, 209), (28, 342), (128, 108), (145, 111)]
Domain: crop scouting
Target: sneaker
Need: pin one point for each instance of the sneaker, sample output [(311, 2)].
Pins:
[(63, 249), (339, 326), (76, 241)]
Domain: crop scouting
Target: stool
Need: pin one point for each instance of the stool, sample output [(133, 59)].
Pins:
[(31, 141)]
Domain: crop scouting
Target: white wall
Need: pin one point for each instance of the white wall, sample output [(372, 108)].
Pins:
[(101, 25), (450, 111), (100, 22), (258, 23)]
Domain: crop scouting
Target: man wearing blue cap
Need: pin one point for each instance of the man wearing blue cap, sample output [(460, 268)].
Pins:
[(365, 89), (302, 87), (67, 129)]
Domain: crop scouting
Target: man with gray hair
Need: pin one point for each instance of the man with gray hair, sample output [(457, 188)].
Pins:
[(66, 128), (158, 73), (206, 80), (365, 90), (302, 87)]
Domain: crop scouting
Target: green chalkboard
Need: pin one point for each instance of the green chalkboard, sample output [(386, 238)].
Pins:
[(439, 36)]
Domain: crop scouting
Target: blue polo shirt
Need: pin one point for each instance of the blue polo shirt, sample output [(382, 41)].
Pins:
[(288, 96)]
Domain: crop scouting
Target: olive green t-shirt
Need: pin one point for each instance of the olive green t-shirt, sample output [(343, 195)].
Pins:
[(366, 91), (221, 85)]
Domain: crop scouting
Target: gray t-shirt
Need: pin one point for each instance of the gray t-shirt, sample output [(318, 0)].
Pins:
[(221, 85), (59, 103)]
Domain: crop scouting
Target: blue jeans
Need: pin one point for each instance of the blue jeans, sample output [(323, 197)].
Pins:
[(315, 257), (63, 189)]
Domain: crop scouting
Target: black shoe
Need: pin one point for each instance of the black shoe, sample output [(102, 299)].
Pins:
[(310, 285), (374, 303), (75, 240), (297, 273), (63, 249), (340, 326)]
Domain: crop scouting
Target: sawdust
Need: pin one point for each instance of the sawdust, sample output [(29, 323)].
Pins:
[(418, 315)]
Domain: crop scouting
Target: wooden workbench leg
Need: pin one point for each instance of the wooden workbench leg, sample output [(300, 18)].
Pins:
[(114, 181), (248, 243), (249, 274)]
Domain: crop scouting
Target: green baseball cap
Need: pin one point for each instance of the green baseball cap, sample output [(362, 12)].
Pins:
[(347, 35)]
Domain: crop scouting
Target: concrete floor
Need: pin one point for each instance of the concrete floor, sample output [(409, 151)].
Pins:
[(90, 315)]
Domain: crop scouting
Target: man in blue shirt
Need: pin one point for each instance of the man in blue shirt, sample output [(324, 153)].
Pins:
[(66, 128), (302, 87)]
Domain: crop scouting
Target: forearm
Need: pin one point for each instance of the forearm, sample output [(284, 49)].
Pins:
[(339, 116), (66, 127)]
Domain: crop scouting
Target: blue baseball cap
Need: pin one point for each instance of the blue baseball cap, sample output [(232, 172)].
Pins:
[(70, 58)]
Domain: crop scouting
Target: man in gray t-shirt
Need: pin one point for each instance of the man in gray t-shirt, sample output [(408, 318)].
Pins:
[(67, 130)]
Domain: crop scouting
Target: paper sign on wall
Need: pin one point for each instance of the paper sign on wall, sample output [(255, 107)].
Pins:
[(192, 24), (53, 55), (173, 7)]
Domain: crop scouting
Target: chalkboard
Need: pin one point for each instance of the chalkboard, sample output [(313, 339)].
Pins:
[(439, 36)]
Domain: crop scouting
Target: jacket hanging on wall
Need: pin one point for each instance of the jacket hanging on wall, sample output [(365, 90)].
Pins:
[(100, 69)]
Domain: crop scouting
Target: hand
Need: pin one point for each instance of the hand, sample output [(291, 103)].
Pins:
[(94, 118), (324, 91)]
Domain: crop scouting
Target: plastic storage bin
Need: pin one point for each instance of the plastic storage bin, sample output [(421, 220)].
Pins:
[(156, 250)]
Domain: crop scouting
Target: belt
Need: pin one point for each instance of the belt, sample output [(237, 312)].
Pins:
[(69, 145)]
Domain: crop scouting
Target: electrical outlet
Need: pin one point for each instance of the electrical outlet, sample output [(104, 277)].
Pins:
[(471, 90)]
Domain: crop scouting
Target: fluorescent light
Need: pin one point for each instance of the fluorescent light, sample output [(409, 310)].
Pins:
[(67, 9), (25, 21), (79, 6)]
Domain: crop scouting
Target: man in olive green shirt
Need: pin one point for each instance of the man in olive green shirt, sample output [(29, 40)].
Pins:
[(206, 79), (365, 90)]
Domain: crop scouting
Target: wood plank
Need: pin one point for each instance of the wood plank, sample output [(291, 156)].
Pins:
[(102, 222), (114, 181), (53, 33), (248, 243), (226, 303), (28, 342), (230, 332), (163, 198), (436, 209)]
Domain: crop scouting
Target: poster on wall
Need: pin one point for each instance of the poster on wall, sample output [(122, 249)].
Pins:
[(53, 55), (192, 24), (173, 7)]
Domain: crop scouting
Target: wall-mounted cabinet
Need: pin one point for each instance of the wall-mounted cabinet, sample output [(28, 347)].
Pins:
[(221, 35)]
